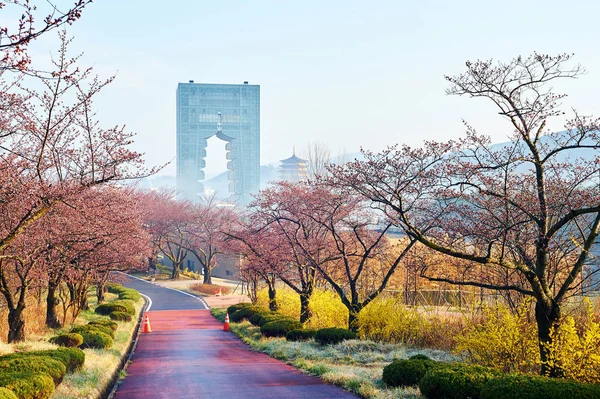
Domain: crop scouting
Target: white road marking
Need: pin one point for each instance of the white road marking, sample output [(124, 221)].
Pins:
[(169, 288)]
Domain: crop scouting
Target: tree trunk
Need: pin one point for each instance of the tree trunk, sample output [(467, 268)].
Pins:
[(353, 318), (547, 318), (207, 276), (51, 305), (100, 290), (272, 298), (16, 324), (305, 312), (175, 271)]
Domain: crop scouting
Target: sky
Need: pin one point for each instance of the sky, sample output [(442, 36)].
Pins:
[(348, 74)]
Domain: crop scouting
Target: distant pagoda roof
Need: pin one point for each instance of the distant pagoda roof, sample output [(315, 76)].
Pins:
[(293, 160)]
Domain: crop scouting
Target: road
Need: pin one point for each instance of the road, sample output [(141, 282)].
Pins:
[(188, 355)]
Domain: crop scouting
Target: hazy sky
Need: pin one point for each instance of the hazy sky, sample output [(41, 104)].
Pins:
[(345, 73)]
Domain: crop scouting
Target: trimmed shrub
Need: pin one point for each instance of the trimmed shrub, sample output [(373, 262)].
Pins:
[(6, 393), (107, 308), (255, 318), (234, 308), (114, 288), (94, 328), (244, 313), (120, 316), (28, 385), (72, 358), (326, 336), (406, 372), (69, 340), (35, 364), (456, 381), (535, 387), (129, 294), (269, 317), (420, 356), (104, 322), (96, 340), (300, 335), (279, 328), (129, 305)]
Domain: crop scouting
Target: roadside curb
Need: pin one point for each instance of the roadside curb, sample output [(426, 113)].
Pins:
[(126, 359)]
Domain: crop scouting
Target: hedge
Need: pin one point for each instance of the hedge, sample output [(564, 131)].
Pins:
[(35, 364), (333, 335), (72, 358), (244, 313), (107, 308), (106, 323), (234, 308), (93, 329), (300, 335), (420, 356), (129, 305), (120, 316), (69, 340), (6, 393), (455, 381), (406, 372), (123, 292), (269, 317), (28, 385), (96, 340), (255, 318), (536, 387), (279, 328)]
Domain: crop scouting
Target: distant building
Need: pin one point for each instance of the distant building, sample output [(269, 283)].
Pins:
[(293, 169), (232, 113)]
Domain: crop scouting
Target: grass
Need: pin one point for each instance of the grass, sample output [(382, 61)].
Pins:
[(355, 365), (100, 364)]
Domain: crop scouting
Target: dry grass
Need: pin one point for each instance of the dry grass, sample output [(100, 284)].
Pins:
[(355, 365), (209, 289)]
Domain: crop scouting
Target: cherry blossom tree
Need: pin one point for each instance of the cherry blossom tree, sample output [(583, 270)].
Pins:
[(526, 214), (207, 232)]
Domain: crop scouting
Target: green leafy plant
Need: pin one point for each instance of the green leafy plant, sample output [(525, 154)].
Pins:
[(69, 340), (120, 316), (456, 381), (28, 385), (406, 372), (279, 328), (300, 335), (536, 387), (328, 336)]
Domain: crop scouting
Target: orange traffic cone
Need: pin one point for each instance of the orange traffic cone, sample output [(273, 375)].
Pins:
[(226, 325), (147, 328), (218, 292)]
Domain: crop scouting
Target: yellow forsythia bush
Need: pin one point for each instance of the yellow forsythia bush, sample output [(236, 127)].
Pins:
[(387, 319), (575, 348), (326, 307), (501, 339)]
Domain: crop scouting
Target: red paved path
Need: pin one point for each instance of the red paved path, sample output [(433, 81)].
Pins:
[(188, 355)]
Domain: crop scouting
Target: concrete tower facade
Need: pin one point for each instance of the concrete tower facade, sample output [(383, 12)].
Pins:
[(232, 113)]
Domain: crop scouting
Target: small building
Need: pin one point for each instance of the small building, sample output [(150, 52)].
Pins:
[(293, 169)]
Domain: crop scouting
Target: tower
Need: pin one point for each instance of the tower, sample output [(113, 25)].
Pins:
[(232, 113), (293, 169)]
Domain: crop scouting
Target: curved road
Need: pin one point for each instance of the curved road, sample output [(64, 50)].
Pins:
[(189, 356)]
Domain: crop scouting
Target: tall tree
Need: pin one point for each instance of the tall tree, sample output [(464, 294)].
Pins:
[(527, 212)]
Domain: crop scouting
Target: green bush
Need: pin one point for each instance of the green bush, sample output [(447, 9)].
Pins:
[(255, 318), (35, 364), (28, 385), (129, 294), (406, 372), (234, 308), (72, 358), (333, 335), (6, 393), (120, 316), (129, 305), (96, 340), (106, 323), (536, 387), (269, 317), (300, 335), (114, 288), (279, 328), (69, 340), (107, 308), (420, 356), (244, 313), (455, 381), (93, 329)]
